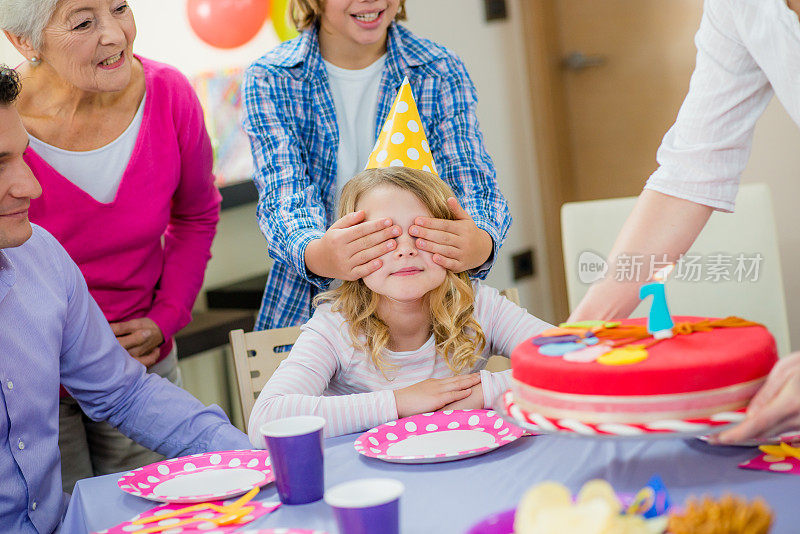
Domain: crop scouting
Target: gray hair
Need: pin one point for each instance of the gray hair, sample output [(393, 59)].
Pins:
[(27, 18)]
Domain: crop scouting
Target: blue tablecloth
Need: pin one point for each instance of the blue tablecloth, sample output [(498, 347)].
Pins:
[(450, 497)]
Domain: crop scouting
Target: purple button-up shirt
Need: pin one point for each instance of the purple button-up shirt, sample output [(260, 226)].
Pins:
[(51, 333)]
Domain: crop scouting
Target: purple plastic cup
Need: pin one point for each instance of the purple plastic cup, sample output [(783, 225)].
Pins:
[(295, 450), (367, 506)]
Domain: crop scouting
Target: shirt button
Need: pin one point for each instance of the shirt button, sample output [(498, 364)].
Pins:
[(34, 505), (21, 445), (10, 384)]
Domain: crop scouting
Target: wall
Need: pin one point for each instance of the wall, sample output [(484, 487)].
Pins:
[(775, 160)]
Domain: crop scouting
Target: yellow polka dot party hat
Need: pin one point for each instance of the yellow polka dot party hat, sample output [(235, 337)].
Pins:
[(402, 141)]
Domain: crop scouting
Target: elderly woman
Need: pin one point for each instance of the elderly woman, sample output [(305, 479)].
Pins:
[(747, 50), (119, 146)]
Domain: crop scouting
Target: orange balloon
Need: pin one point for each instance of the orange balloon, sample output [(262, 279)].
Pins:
[(227, 23)]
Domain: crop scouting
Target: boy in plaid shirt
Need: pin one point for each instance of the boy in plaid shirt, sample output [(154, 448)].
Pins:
[(313, 108)]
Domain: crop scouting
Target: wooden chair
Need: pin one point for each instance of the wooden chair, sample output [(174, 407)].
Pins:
[(256, 356)]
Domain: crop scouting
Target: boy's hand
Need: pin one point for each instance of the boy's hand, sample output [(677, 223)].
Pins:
[(473, 402), (456, 245), (434, 393), (350, 248)]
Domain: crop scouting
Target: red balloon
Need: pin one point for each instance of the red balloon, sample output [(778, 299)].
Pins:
[(227, 23)]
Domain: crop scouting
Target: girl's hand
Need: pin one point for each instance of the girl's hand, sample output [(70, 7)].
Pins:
[(350, 248), (141, 338), (434, 393), (473, 402), (456, 245), (776, 407)]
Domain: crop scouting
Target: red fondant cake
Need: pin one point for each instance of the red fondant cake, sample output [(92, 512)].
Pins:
[(692, 375)]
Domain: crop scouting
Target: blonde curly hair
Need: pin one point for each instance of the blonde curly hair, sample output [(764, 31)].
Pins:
[(306, 13), (459, 338)]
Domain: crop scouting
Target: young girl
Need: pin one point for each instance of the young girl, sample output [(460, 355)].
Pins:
[(313, 106), (409, 338)]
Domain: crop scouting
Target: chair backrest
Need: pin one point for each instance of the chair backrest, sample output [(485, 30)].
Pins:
[(256, 355), (729, 244)]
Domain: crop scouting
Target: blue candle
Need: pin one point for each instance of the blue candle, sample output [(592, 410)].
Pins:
[(659, 321)]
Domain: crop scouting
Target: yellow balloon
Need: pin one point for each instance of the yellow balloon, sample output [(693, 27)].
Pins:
[(281, 21)]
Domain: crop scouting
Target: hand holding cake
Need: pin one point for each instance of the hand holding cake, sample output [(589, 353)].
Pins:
[(776, 407)]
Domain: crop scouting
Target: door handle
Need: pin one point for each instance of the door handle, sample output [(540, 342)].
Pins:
[(580, 61)]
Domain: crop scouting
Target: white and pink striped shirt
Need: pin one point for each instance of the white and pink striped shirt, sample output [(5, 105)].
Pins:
[(324, 375)]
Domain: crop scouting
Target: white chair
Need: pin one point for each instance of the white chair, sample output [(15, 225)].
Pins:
[(593, 226)]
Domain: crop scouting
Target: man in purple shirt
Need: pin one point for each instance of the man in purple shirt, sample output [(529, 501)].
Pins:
[(51, 333)]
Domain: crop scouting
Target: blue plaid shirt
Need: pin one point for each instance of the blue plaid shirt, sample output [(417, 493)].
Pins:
[(290, 118)]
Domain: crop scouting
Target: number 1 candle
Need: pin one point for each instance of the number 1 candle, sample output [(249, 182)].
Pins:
[(659, 322)]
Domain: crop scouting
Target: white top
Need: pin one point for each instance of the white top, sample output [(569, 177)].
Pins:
[(325, 376), (746, 50), (97, 172), (355, 98)]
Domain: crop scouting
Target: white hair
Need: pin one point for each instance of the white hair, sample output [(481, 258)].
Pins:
[(27, 18)]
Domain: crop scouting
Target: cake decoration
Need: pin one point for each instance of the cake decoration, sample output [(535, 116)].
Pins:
[(588, 354), (590, 324), (548, 340), (659, 321), (560, 349), (559, 331), (624, 356)]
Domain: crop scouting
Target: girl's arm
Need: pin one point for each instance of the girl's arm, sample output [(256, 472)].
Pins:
[(297, 386), (505, 326)]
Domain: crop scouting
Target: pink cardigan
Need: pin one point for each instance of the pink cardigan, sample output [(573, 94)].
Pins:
[(145, 253)]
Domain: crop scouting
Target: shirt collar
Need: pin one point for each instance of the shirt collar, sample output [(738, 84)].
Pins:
[(404, 49), (8, 274)]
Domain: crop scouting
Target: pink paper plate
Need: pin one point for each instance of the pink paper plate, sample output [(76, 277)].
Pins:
[(260, 509), (199, 477), (775, 464), (437, 437), (535, 422)]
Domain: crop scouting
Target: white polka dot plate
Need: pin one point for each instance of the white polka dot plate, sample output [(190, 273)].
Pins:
[(671, 428), (199, 477), (437, 437)]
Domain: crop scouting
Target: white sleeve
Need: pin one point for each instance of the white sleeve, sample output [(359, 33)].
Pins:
[(505, 326), (297, 387), (704, 153)]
